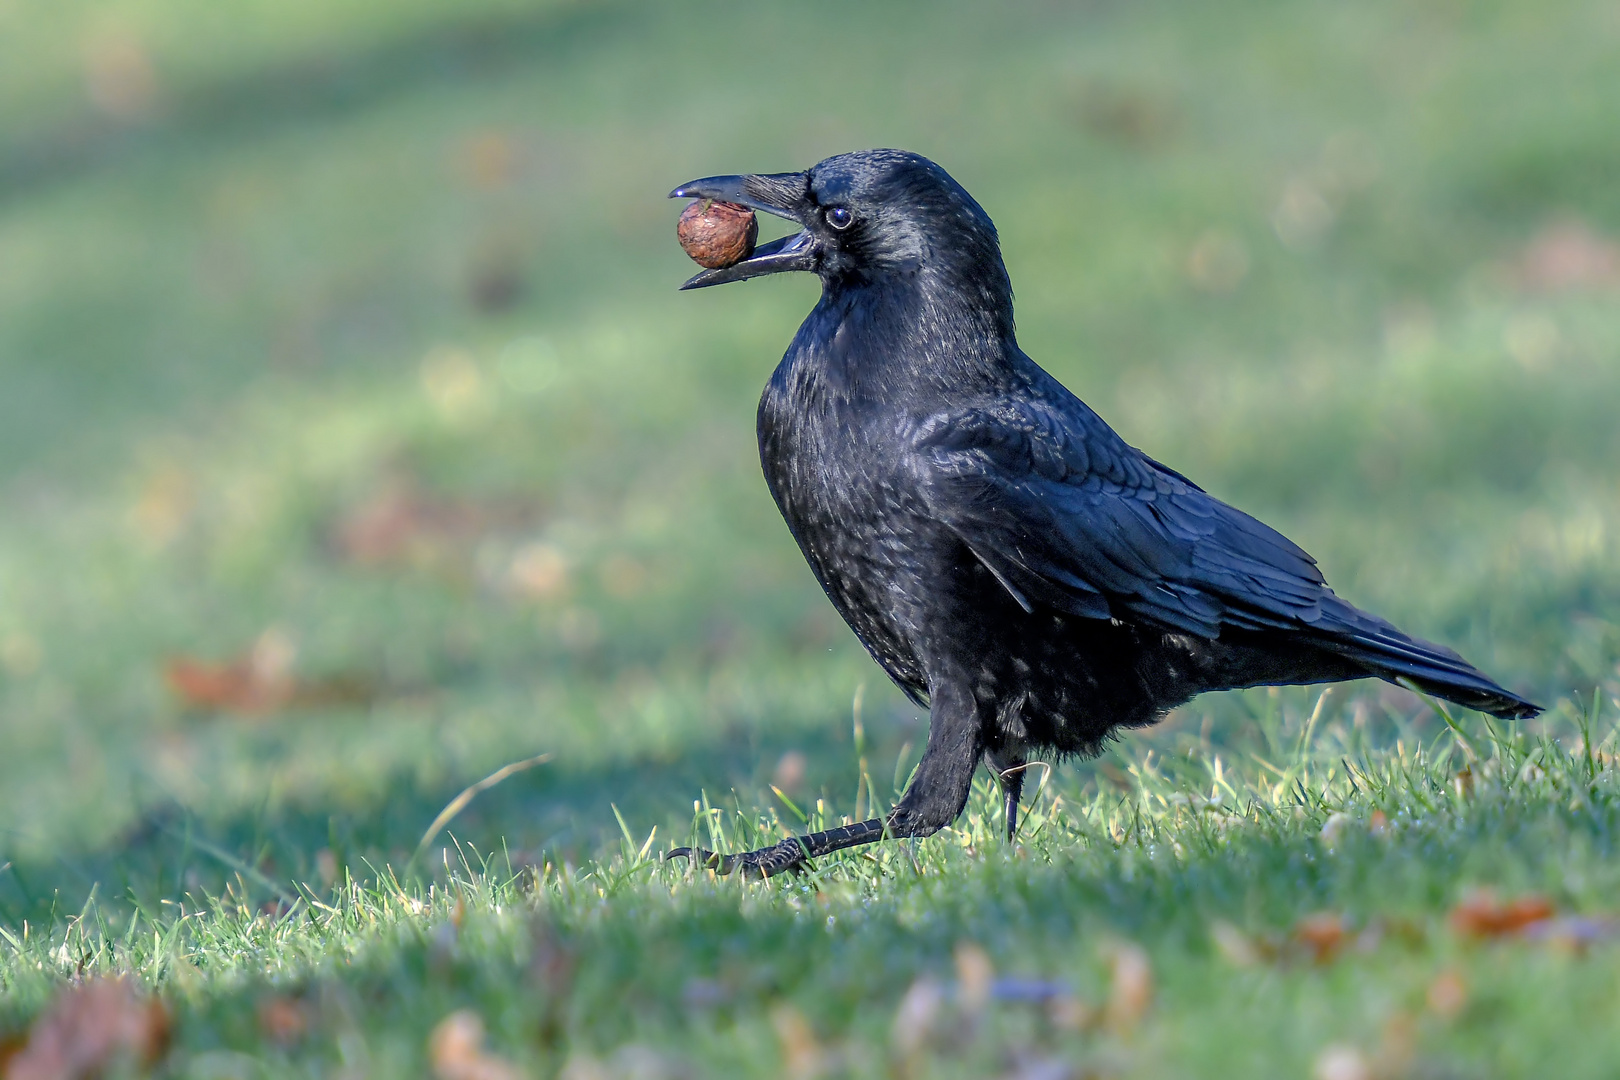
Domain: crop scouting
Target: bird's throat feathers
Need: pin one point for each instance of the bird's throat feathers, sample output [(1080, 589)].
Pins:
[(923, 329)]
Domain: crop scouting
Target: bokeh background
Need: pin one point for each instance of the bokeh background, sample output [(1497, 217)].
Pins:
[(354, 440)]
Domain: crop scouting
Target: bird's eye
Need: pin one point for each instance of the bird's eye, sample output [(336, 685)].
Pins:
[(839, 218)]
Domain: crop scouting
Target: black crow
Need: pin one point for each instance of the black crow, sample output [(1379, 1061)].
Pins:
[(1005, 556)]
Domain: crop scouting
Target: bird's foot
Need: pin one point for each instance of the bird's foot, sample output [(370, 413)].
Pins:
[(789, 856)]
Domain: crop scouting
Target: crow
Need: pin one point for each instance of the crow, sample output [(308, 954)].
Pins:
[(1008, 559)]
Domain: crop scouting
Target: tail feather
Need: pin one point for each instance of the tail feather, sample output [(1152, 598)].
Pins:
[(1389, 654)]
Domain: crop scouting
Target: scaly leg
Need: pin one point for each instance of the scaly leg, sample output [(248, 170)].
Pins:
[(1009, 767), (936, 796)]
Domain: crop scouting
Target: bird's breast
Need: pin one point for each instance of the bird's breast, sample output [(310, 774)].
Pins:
[(843, 493)]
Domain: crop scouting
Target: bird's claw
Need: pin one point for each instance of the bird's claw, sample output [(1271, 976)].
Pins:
[(788, 856)]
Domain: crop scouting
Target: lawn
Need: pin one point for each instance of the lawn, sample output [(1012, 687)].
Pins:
[(355, 443)]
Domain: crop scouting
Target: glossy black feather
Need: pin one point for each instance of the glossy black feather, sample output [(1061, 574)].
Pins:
[(997, 547)]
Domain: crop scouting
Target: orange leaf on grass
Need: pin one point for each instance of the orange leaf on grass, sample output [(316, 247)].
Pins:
[(1484, 915), (1322, 934), (259, 682), (88, 1029), (456, 1051)]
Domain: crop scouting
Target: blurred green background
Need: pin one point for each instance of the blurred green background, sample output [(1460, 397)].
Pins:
[(341, 357)]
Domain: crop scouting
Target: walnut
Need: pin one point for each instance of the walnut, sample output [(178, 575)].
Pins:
[(717, 234)]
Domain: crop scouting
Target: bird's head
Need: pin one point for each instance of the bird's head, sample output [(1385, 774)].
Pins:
[(873, 216)]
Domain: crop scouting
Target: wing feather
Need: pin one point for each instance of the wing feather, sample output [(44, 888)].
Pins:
[(1067, 515)]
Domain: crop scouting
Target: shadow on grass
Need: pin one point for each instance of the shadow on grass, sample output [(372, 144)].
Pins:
[(549, 812)]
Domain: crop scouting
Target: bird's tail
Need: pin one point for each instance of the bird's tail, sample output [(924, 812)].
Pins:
[(1388, 654)]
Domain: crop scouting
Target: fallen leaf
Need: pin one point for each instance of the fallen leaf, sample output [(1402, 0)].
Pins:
[(488, 160), (400, 525), (538, 572), (1237, 947), (1130, 990), (89, 1028), (119, 77), (1397, 1046), (1340, 1062), (1447, 995), (789, 774), (1567, 254), (974, 975), (1070, 1013), (1322, 934), (1483, 915), (456, 1051), (801, 1052), (283, 1020), (1463, 782), (915, 1018), (258, 682)]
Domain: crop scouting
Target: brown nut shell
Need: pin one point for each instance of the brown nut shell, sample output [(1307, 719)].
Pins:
[(717, 234)]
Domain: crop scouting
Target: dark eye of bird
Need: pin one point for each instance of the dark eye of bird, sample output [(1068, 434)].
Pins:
[(839, 218)]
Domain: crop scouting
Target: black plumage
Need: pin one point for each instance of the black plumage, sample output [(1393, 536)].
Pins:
[(1003, 554)]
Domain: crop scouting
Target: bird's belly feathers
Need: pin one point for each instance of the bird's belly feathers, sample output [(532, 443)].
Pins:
[(860, 539)]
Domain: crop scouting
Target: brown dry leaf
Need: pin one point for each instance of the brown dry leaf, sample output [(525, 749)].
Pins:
[(1378, 824), (1217, 262), (1568, 254), (623, 577), (1483, 915), (789, 774), (488, 160), (1133, 116), (538, 572), (119, 77), (974, 974), (398, 525), (1322, 935), (456, 1051), (1447, 995), (1237, 947), (802, 1055), (259, 682), (163, 506), (1130, 991), (283, 1020), (88, 1028), (1069, 1013), (551, 961), (915, 1018), (1116, 776), (1397, 1046), (1463, 782)]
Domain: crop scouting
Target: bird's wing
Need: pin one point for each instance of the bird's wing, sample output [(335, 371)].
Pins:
[(1067, 515)]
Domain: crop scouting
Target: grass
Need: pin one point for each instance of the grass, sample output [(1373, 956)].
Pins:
[(410, 263), (626, 959)]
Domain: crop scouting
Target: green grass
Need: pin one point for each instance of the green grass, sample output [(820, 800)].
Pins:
[(361, 249)]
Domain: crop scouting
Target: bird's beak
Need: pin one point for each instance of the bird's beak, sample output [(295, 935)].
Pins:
[(784, 195)]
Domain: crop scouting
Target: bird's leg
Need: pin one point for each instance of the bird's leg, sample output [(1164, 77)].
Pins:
[(790, 854), (938, 791), (1009, 767)]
